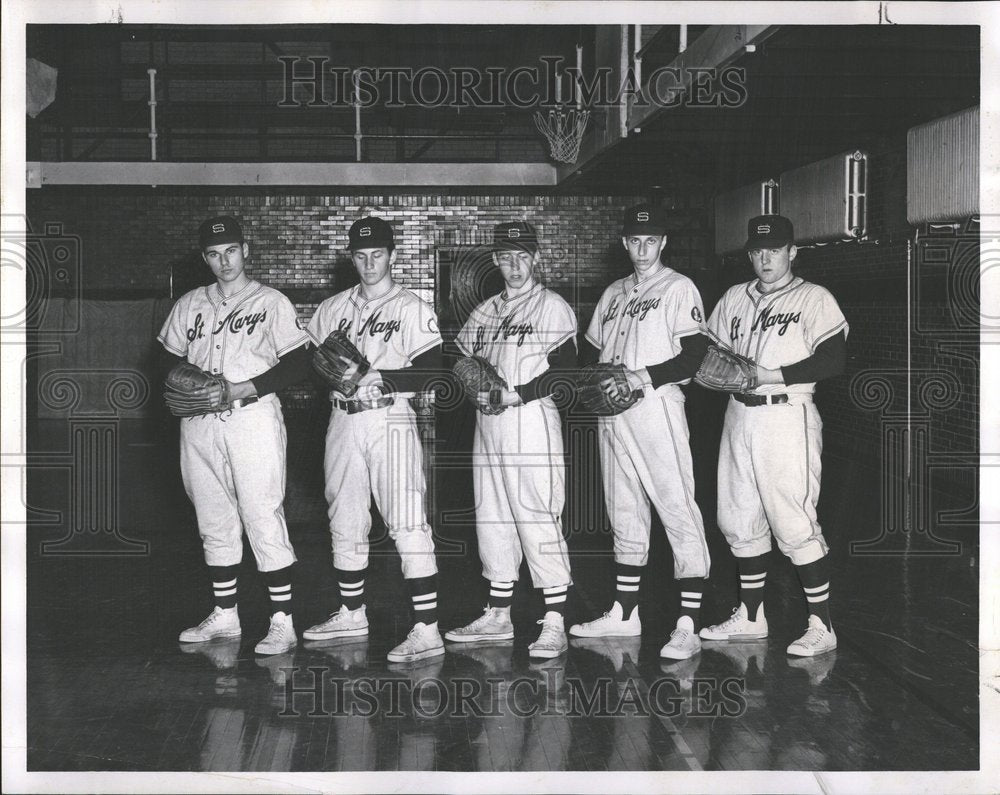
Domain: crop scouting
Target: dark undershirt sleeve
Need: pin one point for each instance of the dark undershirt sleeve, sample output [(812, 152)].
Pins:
[(291, 368), (426, 369), (829, 359), (166, 362), (684, 365), (589, 354), (562, 363)]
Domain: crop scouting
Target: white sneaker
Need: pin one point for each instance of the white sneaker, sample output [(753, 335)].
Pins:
[(817, 640), (684, 641), (738, 626), (611, 625), (280, 636), (222, 622), (423, 641), (493, 624), (342, 624), (552, 639)]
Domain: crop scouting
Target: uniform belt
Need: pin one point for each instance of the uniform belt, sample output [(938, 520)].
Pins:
[(241, 402), (357, 406), (759, 400)]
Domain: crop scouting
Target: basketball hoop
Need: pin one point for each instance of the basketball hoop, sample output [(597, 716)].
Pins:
[(564, 130)]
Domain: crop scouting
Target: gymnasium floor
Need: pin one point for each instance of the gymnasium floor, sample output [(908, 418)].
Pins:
[(110, 688)]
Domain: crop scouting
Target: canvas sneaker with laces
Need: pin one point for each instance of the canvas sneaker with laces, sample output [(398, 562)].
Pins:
[(684, 641), (342, 624), (423, 641), (552, 639), (611, 624), (738, 626), (280, 636), (493, 624), (222, 622), (817, 640)]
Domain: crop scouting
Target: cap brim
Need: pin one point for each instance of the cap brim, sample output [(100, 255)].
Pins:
[(511, 246), (776, 242), (643, 229)]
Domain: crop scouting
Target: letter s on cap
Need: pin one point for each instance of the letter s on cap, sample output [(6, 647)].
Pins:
[(764, 229), (218, 229), (365, 231), (642, 217)]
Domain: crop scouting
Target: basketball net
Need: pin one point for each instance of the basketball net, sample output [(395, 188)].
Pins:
[(564, 130)]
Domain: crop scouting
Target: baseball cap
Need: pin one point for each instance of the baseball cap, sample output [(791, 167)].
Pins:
[(644, 219), (768, 231), (515, 236), (221, 229), (370, 232)]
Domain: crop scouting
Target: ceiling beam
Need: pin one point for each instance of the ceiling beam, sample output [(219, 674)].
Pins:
[(334, 175), (718, 46)]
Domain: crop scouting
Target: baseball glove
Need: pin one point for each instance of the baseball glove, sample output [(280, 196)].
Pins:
[(476, 375), (340, 363), (590, 387), (726, 371), (191, 392)]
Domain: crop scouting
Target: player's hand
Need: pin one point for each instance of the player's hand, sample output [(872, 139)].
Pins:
[(637, 379), (240, 390), (508, 397), (370, 386), (768, 376)]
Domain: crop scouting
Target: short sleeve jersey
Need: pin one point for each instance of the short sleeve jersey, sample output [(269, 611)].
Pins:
[(779, 328), (239, 336), (639, 323), (391, 331), (516, 335)]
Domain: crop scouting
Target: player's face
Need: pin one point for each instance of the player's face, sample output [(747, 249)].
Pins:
[(227, 260), (644, 250), (517, 268), (773, 266), (374, 265)]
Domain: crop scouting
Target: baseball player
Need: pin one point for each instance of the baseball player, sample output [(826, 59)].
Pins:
[(233, 463), (372, 446), (650, 322), (528, 333), (769, 458)]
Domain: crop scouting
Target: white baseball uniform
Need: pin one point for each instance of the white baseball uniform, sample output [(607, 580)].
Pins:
[(378, 451), (769, 459), (233, 463), (645, 453), (517, 455)]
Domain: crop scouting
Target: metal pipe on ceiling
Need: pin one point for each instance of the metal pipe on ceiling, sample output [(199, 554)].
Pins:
[(152, 113)]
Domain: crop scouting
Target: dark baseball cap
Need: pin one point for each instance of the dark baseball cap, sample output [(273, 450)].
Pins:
[(644, 219), (370, 232), (768, 231), (515, 236), (218, 230)]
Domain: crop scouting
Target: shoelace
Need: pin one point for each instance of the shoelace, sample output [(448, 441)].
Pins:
[(813, 636), (733, 619), (680, 634), (216, 616), (549, 635)]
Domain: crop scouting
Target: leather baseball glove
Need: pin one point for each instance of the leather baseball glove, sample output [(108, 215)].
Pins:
[(476, 375), (192, 392), (726, 371), (592, 382), (340, 363)]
